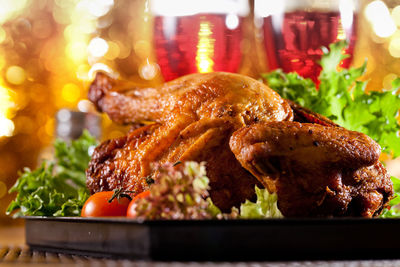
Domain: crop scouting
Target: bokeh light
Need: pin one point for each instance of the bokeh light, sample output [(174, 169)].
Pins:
[(394, 47), (100, 67), (379, 16), (6, 127), (396, 15), (50, 51), (346, 9), (76, 51), (113, 51), (15, 75), (10, 9), (2, 35), (71, 92), (388, 79), (142, 48), (232, 21), (149, 70), (7, 111), (85, 105), (97, 47), (96, 8)]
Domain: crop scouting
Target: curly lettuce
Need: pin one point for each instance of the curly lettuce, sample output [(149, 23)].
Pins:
[(56, 188), (266, 206)]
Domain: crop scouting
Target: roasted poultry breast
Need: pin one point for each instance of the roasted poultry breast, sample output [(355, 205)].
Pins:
[(247, 135)]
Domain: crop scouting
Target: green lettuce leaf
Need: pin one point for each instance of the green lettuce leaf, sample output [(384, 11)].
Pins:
[(265, 206), (394, 210), (56, 188)]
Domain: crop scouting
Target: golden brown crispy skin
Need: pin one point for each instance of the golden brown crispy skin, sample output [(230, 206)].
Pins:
[(114, 165), (315, 169), (244, 132), (195, 115), (210, 95)]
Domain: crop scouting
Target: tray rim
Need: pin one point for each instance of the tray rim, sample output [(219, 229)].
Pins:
[(239, 221), (151, 234)]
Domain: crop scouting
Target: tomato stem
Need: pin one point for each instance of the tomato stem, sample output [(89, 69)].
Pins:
[(120, 193), (177, 163), (149, 180)]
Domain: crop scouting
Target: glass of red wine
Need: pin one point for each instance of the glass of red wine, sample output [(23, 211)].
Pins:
[(295, 30), (192, 36)]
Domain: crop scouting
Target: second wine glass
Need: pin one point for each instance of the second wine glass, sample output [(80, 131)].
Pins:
[(295, 30)]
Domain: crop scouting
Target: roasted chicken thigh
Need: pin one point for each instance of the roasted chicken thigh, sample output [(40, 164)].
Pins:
[(245, 133), (315, 169)]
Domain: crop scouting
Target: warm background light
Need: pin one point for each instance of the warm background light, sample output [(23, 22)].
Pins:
[(51, 50), (379, 42), (379, 16), (205, 48)]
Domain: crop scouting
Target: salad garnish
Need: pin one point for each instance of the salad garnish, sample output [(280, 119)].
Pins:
[(58, 187), (266, 206)]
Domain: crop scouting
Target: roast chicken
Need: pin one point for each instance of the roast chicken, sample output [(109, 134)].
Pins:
[(247, 135)]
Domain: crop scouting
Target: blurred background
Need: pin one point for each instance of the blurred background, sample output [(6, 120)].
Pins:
[(51, 49)]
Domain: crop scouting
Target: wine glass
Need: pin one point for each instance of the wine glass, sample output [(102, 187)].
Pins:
[(295, 30), (193, 36)]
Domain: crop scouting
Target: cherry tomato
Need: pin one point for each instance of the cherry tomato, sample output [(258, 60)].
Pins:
[(132, 206), (97, 205)]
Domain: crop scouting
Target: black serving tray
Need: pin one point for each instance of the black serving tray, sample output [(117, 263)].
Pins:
[(214, 240)]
